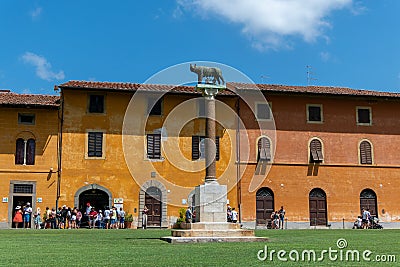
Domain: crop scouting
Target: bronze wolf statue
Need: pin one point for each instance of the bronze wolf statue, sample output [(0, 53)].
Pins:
[(205, 72)]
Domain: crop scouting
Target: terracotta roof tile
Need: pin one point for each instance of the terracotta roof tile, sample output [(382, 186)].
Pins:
[(232, 88), (10, 99), (327, 90), (133, 87)]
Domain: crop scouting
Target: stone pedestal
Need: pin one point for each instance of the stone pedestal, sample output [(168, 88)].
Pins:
[(212, 232), (210, 202)]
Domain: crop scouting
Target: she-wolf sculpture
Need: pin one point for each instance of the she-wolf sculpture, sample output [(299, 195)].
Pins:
[(205, 72)]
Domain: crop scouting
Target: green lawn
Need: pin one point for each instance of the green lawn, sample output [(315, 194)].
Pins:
[(144, 248)]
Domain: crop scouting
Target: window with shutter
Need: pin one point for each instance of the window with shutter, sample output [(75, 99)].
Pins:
[(20, 151), (96, 103), (25, 152), (198, 147), (316, 151), (30, 152), (195, 147), (264, 149), (154, 146), (365, 152), (95, 144)]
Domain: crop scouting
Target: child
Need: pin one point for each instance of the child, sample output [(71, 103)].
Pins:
[(37, 220)]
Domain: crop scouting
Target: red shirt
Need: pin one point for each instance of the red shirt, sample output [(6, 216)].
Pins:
[(93, 214)]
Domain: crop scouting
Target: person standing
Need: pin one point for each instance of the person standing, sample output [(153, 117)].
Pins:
[(113, 218), (189, 215), (121, 218), (145, 211), (92, 218), (282, 213), (107, 217), (17, 216), (234, 215), (27, 215), (78, 218)]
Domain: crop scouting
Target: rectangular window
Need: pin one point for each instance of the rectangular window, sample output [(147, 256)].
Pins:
[(96, 103), (198, 147), (263, 111), (314, 113), (154, 146), (26, 118), (154, 107), (23, 188), (95, 144), (201, 107), (364, 116)]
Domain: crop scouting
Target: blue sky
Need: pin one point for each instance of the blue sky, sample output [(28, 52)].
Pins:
[(348, 43)]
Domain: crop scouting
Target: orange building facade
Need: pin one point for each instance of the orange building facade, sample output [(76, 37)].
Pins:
[(321, 152), (334, 154), (28, 152)]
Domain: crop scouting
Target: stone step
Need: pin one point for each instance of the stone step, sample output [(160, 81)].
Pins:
[(212, 233), (188, 240), (211, 226)]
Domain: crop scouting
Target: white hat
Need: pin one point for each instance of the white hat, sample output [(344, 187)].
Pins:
[(27, 203), (18, 207)]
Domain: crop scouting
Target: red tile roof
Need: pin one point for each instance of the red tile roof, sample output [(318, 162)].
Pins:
[(182, 89), (326, 90), (10, 99), (232, 88)]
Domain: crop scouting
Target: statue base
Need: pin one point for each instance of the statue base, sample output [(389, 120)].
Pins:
[(210, 202)]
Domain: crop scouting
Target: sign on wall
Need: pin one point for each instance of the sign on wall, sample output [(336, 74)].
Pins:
[(118, 201)]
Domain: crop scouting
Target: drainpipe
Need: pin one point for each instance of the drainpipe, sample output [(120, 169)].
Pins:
[(59, 145), (238, 180)]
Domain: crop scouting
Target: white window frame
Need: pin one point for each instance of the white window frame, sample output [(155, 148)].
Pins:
[(270, 109), (370, 116), (321, 113)]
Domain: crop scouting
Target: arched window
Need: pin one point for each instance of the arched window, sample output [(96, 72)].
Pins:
[(316, 151), (365, 152), (25, 152), (264, 149)]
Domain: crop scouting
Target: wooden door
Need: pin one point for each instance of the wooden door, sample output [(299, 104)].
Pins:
[(368, 201), (317, 205), (264, 206), (153, 203)]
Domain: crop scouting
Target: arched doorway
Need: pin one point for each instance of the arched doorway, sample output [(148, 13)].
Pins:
[(161, 197), (264, 206), (97, 195), (153, 202), (317, 205), (368, 201)]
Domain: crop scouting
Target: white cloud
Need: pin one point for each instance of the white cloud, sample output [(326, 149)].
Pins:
[(325, 56), (36, 12), (43, 67), (269, 22)]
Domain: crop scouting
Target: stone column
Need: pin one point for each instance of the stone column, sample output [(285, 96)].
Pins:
[(210, 145)]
